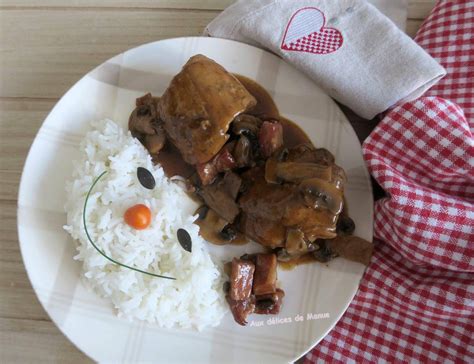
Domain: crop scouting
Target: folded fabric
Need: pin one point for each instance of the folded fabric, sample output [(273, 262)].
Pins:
[(422, 154), (416, 299), (354, 52), (447, 35)]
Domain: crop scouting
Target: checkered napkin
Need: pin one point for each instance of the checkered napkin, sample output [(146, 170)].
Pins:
[(354, 52), (416, 299)]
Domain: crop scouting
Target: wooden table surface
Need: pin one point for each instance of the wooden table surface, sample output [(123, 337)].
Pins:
[(45, 47)]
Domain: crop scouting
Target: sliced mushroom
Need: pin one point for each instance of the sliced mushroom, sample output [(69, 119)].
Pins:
[(143, 118), (228, 233), (295, 172), (345, 225), (147, 99), (295, 242), (338, 177), (320, 194), (271, 166), (155, 142), (283, 255), (202, 212), (323, 156), (282, 154), (325, 229), (323, 254), (307, 153), (217, 230), (245, 124), (243, 152), (213, 220)]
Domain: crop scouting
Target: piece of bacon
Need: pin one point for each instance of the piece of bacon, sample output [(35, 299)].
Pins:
[(270, 138), (223, 161)]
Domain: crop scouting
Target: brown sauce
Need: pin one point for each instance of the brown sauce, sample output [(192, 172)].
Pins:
[(291, 264), (293, 135), (172, 162), (265, 108)]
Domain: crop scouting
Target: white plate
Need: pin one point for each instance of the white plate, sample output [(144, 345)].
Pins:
[(110, 91)]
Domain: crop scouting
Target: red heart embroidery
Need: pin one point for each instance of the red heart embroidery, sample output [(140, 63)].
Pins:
[(305, 32)]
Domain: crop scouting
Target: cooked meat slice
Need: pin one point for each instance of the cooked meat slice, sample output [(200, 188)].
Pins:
[(265, 232), (264, 200), (270, 138), (264, 281), (241, 309), (198, 106), (231, 183), (144, 116), (269, 209), (241, 279), (269, 303), (220, 201), (352, 248), (220, 196)]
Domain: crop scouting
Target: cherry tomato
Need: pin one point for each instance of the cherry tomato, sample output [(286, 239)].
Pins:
[(138, 217)]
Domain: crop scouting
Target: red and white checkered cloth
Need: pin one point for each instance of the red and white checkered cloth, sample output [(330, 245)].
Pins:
[(447, 35), (416, 299)]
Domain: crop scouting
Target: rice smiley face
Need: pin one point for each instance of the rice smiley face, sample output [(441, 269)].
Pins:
[(138, 217)]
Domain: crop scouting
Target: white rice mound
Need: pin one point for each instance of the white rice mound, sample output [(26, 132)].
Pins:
[(195, 299)]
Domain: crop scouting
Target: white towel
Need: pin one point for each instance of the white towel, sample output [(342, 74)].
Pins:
[(353, 51)]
